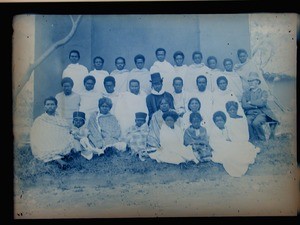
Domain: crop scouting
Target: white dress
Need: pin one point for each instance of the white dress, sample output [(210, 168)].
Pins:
[(172, 149)]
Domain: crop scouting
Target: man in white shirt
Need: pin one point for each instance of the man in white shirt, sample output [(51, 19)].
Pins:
[(120, 74), (181, 70), (75, 71), (99, 73), (164, 68), (110, 92), (141, 74)]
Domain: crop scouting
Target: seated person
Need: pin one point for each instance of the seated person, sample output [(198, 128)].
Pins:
[(136, 136), (80, 134), (196, 136), (257, 111), (50, 137), (172, 149), (104, 128), (235, 156)]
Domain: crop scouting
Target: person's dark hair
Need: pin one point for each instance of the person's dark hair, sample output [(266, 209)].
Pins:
[(231, 103), (104, 100), (227, 59), (134, 80), (89, 77), (120, 58), (74, 51), (67, 80), (178, 53), (177, 78), (98, 57), (197, 53), (160, 49), (196, 99), (221, 78), (139, 56), (201, 76), (210, 58), (239, 51), (217, 114), (109, 78), (170, 113), (195, 115), (50, 98), (164, 98)]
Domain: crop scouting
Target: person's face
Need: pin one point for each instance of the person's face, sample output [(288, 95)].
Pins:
[(178, 84), (197, 59), (120, 64), (253, 84), (179, 60), (98, 64), (242, 57), (67, 88), (170, 121), (220, 122), (228, 66), (78, 122), (157, 86), (50, 107), (196, 122), (160, 55), (212, 64), (139, 63), (201, 83), (74, 58), (139, 122), (222, 84), (134, 88), (232, 111), (194, 106), (104, 108), (164, 106), (109, 86), (89, 85)]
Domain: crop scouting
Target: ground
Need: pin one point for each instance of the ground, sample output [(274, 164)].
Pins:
[(118, 185)]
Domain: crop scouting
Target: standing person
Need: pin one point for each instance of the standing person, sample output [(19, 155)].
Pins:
[(234, 80), (235, 156), (136, 136), (109, 92), (89, 97), (120, 74), (181, 70), (99, 73), (171, 149), (245, 67), (196, 136), (141, 74), (214, 73), (104, 128), (254, 103), (180, 96), (50, 138), (195, 69), (164, 68), (67, 101), (157, 93), (128, 104), (75, 71)]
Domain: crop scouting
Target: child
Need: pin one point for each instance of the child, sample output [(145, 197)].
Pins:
[(136, 136), (196, 136), (81, 133)]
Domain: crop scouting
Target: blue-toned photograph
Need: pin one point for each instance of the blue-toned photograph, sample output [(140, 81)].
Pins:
[(154, 115)]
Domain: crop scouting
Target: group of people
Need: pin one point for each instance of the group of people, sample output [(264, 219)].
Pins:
[(171, 114)]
